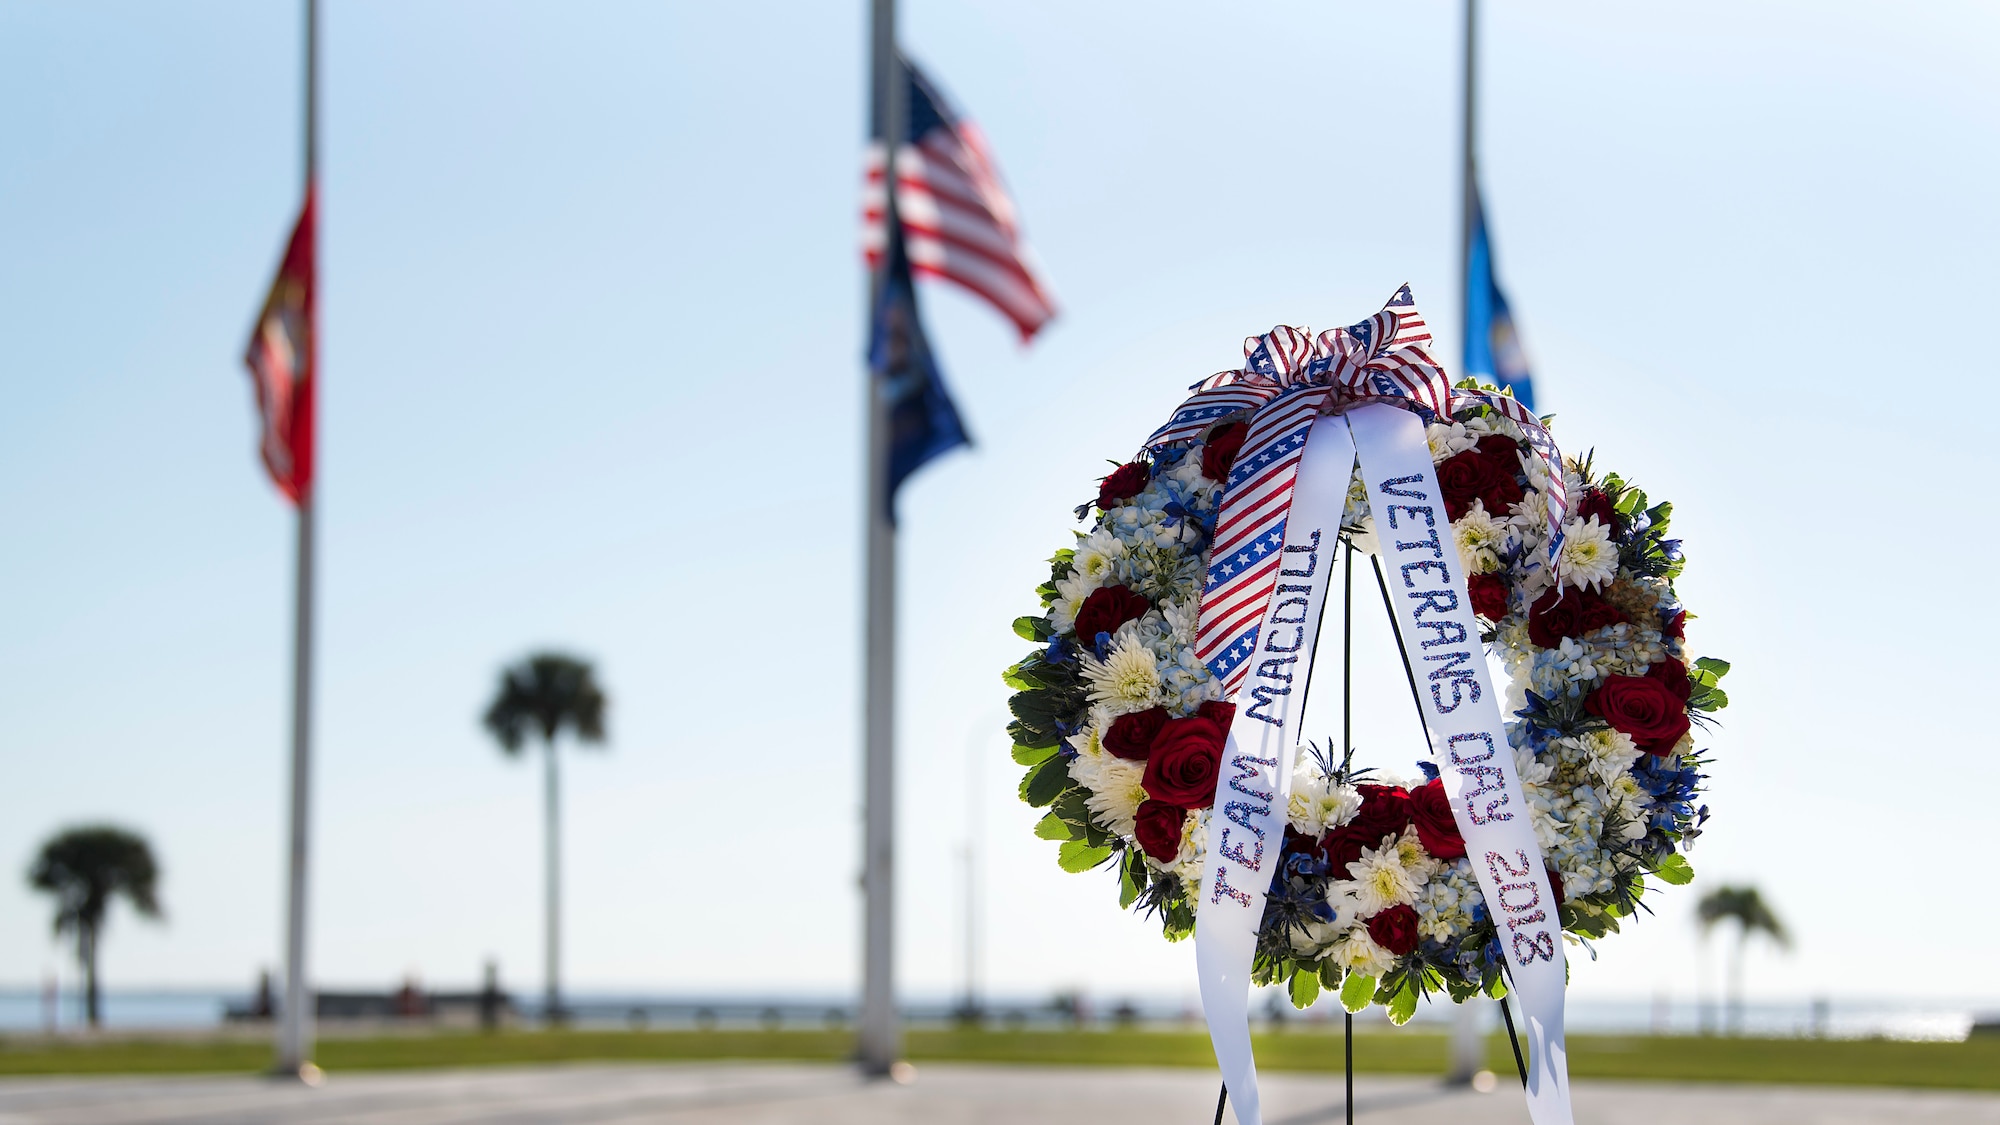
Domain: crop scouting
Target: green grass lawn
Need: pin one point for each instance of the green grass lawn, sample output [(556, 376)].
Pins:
[(1971, 1065)]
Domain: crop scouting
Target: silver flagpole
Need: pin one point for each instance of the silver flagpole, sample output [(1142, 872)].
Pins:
[(1467, 1052), (295, 1030), (881, 1034)]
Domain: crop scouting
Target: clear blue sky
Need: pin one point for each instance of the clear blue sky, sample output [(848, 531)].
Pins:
[(592, 318)]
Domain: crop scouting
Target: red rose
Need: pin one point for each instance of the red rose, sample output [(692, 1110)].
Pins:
[(1218, 712), (1385, 811), (1674, 674), (1106, 609), (1158, 829), (1643, 707), (1489, 595), (1555, 884), (1505, 458), (1395, 930), (1579, 611), (1677, 625), (1463, 478), (1596, 503), (1488, 473), (1219, 452), (1131, 736), (1430, 811), (1342, 847), (1186, 757), (1124, 483)]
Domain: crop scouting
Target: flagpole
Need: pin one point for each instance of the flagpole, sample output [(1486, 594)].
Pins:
[(295, 1029), (880, 1034), (1468, 172), (1467, 1051)]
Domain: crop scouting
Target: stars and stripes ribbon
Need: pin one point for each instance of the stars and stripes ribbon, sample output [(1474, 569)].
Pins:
[(1288, 379)]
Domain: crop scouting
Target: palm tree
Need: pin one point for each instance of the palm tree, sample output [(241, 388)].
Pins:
[(1752, 915), (85, 868), (543, 694)]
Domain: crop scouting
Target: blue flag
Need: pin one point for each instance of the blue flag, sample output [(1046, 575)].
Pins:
[(923, 423), (1492, 347)]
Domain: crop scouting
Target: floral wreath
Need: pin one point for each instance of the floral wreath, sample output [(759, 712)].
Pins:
[(1122, 728)]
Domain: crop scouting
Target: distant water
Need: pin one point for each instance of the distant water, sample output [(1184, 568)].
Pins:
[(23, 1010)]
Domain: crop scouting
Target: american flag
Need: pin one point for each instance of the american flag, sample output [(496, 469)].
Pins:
[(958, 221)]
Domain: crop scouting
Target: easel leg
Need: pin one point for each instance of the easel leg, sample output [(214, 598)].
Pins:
[(1514, 1041), (1350, 1067)]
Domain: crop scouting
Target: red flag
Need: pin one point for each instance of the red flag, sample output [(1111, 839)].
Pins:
[(283, 358)]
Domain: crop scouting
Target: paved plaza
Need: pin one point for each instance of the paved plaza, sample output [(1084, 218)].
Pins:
[(712, 1094)]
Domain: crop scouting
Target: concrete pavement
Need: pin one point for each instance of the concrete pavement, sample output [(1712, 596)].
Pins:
[(756, 1094)]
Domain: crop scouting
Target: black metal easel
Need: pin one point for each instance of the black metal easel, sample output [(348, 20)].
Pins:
[(1347, 752)]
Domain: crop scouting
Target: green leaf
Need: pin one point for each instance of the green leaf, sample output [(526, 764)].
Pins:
[(1305, 989), (1013, 678), (1708, 699), (1076, 855), (1403, 1005), (1128, 885), (1716, 668), (1073, 806), (1040, 710), (1329, 975), (1032, 628), (1031, 738), (1674, 869), (1053, 827), (1356, 994), (1045, 782), (1033, 755)]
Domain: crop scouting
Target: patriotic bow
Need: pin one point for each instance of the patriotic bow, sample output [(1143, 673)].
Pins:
[(1287, 380)]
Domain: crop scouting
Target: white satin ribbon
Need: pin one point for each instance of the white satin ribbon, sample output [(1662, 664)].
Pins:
[(1246, 832), (1462, 716), (1467, 736)]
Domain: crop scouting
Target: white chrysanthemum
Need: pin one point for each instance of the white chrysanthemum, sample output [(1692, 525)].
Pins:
[(1415, 860), (1194, 846), (1318, 805), (1312, 937), (1358, 953), (1070, 592), (1480, 538), (1097, 555), (1610, 754), (1127, 680), (1531, 515), (1089, 742), (1115, 790), (1447, 440), (1380, 881), (1589, 557)]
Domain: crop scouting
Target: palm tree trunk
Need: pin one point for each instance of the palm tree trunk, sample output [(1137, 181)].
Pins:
[(1736, 981), (552, 1000), (86, 952)]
